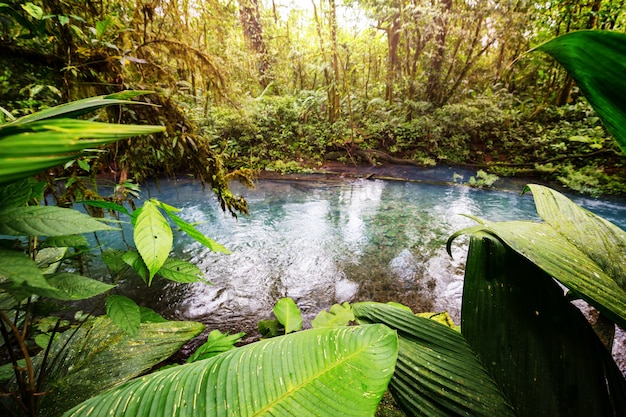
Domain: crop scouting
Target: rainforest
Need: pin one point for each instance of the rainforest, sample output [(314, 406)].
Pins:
[(101, 100)]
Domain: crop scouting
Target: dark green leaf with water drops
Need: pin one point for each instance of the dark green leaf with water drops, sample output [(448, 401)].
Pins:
[(602, 241), (101, 356), (438, 373), (539, 348)]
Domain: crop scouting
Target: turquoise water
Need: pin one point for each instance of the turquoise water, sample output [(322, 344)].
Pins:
[(322, 242)]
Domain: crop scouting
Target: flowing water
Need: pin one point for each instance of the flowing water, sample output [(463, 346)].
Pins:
[(322, 241)]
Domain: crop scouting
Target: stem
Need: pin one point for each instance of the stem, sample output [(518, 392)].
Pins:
[(42, 368)]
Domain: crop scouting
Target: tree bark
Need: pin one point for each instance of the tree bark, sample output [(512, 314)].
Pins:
[(253, 33), (433, 85)]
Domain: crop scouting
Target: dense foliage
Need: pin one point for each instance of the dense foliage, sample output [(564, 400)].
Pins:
[(283, 85), (445, 93)]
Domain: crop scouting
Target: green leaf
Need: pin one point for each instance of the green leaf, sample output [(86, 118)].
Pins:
[(153, 238), (443, 318), (133, 259), (47, 221), (33, 10), (320, 372), (339, 315), (49, 259), (124, 312), (80, 107), (438, 373), (180, 271), (217, 342), (20, 275), (42, 140), (596, 60), (558, 257), (69, 241), (100, 356), (150, 316), (71, 287), (602, 241), (114, 260), (193, 232), (269, 328), (7, 371), (288, 314), (539, 348), (107, 205), (17, 194)]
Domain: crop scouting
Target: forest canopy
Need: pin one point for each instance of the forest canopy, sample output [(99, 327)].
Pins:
[(285, 85)]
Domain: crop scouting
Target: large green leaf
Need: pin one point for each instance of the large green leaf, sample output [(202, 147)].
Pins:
[(47, 221), (153, 237), (100, 356), (44, 140), (438, 373), (596, 60), (27, 149), (602, 241), (561, 259), (540, 349), (320, 372), (80, 107)]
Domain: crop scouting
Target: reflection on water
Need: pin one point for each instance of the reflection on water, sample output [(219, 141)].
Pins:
[(323, 242)]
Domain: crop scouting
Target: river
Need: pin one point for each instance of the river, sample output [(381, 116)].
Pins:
[(328, 239)]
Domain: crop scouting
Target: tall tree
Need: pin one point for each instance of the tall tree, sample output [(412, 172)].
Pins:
[(253, 33)]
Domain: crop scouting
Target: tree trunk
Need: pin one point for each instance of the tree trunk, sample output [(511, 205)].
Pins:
[(253, 33), (433, 85)]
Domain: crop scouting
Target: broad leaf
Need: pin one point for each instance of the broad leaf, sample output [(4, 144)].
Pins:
[(27, 149), (17, 194), (70, 241), (100, 356), (320, 372), (288, 314), (180, 271), (338, 315), (124, 313), (71, 287), (47, 221), (596, 60), (558, 257), (438, 373), (114, 260), (602, 241), (217, 342), (20, 276), (150, 316), (133, 259), (153, 237), (80, 107), (539, 348)]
